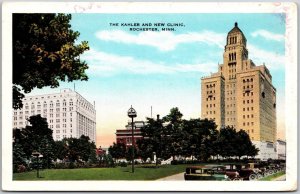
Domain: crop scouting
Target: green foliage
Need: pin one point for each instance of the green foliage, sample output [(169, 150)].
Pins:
[(19, 156), (117, 150), (128, 154), (76, 149), (45, 52), (37, 137), (199, 138)]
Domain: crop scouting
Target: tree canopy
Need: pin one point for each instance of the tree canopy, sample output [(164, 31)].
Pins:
[(45, 52), (199, 138)]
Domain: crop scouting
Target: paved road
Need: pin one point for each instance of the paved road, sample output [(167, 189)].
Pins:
[(175, 177)]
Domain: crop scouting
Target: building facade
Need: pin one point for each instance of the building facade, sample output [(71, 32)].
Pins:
[(125, 135), (281, 149), (241, 94), (68, 114)]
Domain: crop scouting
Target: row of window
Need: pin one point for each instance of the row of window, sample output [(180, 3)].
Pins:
[(211, 112), (248, 108), (210, 85), (233, 40), (58, 126), (247, 80), (248, 94), (211, 105), (232, 56), (248, 101), (248, 123), (210, 98), (248, 116), (63, 131), (58, 120)]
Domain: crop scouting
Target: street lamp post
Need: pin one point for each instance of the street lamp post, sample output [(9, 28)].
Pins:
[(37, 154), (132, 113)]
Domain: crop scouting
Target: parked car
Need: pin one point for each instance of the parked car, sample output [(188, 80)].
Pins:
[(204, 173), (243, 170)]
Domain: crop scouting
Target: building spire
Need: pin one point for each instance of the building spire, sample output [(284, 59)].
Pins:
[(235, 24)]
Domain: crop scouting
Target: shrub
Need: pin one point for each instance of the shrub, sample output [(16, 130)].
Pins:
[(123, 164), (21, 168), (148, 166)]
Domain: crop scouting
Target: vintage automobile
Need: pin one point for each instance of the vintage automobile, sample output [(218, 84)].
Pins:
[(205, 173), (243, 170), (221, 169)]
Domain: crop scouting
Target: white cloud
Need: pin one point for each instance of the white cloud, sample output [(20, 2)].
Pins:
[(268, 35), (163, 40), (106, 64), (272, 60)]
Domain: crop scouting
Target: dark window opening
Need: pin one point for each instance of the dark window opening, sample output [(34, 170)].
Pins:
[(263, 94)]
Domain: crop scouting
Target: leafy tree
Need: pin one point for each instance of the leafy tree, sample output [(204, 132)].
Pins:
[(37, 137), (252, 151), (92, 156), (34, 137), (44, 53), (227, 139), (243, 143), (145, 148), (172, 134), (117, 150), (19, 156), (61, 149), (201, 135), (47, 150), (128, 154), (153, 131)]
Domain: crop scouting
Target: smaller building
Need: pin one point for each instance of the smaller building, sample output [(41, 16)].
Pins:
[(281, 149), (125, 135), (267, 150)]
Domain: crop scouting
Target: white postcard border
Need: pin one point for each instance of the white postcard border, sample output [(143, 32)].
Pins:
[(289, 9)]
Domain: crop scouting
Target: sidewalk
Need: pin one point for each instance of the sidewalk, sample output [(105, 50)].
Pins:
[(175, 177), (281, 178)]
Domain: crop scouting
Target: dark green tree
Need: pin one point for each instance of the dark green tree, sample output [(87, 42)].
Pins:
[(252, 151), (227, 139), (92, 156), (201, 136), (19, 156), (153, 131), (44, 53), (48, 152), (61, 149), (172, 134), (117, 150), (128, 154), (36, 137), (145, 148), (243, 143)]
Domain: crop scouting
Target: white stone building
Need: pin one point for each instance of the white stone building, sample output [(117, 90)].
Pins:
[(281, 149), (68, 114), (267, 150)]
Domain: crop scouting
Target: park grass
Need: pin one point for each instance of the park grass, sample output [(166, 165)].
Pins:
[(273, 176), (118, 173)]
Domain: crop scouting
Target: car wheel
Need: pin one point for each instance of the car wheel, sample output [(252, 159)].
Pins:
[(238, 179), (259, 176), (252, 177)]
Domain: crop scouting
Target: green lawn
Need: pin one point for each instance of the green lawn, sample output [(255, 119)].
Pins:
[(118, 173), (273, 176)]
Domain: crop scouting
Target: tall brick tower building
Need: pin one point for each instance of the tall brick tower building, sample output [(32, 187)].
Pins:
[(241, 94)]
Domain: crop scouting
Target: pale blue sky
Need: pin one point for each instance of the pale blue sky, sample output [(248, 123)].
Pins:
[(163, 69)]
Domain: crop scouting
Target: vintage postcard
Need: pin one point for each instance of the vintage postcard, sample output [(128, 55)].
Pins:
[(157, 96)]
